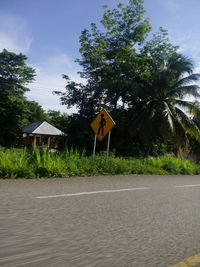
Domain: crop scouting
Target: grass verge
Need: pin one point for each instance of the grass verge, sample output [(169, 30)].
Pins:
[(38, 163)]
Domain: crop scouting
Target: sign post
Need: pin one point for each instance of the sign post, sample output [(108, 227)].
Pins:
[(95, 141), (108, 146), (102, 125)]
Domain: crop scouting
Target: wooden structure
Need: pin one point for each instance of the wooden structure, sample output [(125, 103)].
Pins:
[(41, 133)]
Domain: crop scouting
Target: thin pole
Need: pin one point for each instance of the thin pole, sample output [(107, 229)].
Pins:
[(94, 148), (34, 141), (48, 141), (108, 146)]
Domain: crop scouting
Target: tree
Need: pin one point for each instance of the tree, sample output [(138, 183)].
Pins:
[(143, 84), (159, 47), (162, 110), (35, 112), (14, 76), (109, 59), (60, 121), (110, 64)]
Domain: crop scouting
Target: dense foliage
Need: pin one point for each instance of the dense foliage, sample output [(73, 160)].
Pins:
[(16, 163), (16, 111), (143, 84)]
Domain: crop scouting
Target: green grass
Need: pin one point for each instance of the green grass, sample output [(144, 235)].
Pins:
[(38, 163)]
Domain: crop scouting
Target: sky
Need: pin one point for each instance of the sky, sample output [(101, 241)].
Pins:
[(47, 32)]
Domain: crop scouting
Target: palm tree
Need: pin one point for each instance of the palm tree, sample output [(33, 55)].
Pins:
[(162, 108)]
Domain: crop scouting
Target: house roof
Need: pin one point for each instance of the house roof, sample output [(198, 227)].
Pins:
[(42, 128)]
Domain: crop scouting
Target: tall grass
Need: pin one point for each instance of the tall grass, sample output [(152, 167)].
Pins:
[(14, 163), (38, 163)]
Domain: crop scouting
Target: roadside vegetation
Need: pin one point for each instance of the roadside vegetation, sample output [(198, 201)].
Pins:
[(38, 163), (139, 77)]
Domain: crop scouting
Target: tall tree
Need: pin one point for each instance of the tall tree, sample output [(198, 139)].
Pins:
[(35, 112), (109, 59), (110, 63), (159, 47), (14, 77), (143, 83), (162, 109)]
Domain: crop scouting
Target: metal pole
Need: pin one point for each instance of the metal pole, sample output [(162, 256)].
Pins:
[(108, 146), (94, 148)]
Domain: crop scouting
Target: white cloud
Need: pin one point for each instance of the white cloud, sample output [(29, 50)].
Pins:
[(172, 4), (175, 5), (61, 60), (49, 78), (183, 26), (14, 35), (189, 44)]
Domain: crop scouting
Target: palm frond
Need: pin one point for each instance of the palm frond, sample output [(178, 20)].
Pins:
[(192, 107), (180, 134), (192, 90), (188, 124), (187, 80), (168, 115), (180, 64)]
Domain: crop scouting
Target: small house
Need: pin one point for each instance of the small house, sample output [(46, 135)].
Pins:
[(41, 133)]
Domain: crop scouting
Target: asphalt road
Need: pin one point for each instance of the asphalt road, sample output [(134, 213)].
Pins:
[(121, 221)]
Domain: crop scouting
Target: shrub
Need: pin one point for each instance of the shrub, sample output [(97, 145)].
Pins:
[(16, 163)]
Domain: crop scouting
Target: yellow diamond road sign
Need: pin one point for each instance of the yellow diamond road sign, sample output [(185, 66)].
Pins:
[(102, 124)]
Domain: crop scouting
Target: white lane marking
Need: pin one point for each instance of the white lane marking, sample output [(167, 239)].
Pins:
[(95, 192), (188, 185), (34, 261), (20, 256)]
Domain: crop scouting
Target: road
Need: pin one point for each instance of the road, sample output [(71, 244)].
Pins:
[(121, 221)]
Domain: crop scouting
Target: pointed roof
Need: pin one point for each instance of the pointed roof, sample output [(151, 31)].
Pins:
[(42, 128)]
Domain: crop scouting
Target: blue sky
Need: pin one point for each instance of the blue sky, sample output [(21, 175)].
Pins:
[(48, 31)]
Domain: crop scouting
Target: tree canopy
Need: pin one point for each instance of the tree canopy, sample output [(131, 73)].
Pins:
[(109, 59), (143, 83), (16, 111)]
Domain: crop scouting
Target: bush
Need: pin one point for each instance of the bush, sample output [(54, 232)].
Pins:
[(15, 163), (38, 163)]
